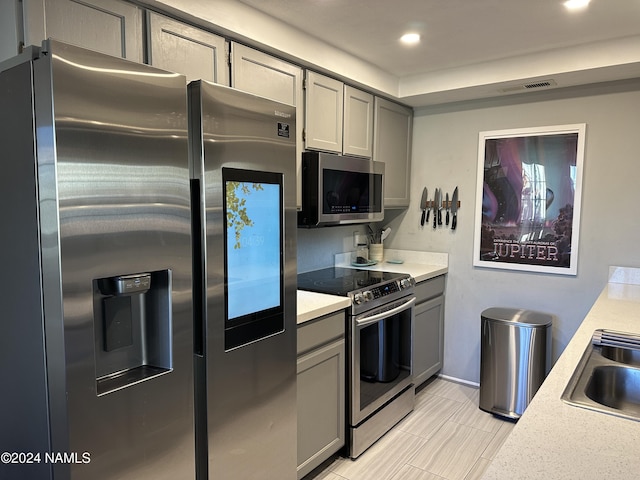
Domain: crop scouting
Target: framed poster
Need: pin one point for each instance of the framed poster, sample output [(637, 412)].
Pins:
[(528, 199)]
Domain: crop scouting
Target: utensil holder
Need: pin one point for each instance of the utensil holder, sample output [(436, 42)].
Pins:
[(376, 252)]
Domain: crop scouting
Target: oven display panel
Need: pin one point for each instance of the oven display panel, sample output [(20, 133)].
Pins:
[(385, 290)]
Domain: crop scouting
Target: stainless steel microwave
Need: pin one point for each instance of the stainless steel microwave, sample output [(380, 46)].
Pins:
[(338, 190)]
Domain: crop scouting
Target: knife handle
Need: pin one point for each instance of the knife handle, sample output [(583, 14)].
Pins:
[(454, 221), (428, 213), (446, 221), (439, 217), (424, 212), (435, 218)]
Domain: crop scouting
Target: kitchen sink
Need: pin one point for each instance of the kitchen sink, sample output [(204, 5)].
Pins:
[(616, 387), (628, 356), (607, 378)]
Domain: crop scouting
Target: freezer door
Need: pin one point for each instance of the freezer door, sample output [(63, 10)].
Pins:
[(115, 221), (24, 413)]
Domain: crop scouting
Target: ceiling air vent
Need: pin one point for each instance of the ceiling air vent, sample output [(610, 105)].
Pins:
[(529, 86)]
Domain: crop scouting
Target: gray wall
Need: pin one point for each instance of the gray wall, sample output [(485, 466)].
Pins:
[(445, 144)]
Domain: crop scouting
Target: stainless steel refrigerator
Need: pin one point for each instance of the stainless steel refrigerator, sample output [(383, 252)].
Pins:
[(243, 193), (96, 358)]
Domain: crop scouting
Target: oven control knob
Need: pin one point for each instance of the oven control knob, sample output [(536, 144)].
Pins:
[(405, 283), (368, 295), (358, 298)]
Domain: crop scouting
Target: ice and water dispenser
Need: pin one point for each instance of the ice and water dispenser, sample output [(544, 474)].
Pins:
[(132, 328)]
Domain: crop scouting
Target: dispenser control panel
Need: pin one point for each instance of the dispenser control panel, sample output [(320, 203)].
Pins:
[(126, 284)]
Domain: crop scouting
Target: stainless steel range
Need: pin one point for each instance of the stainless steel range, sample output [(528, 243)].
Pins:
[(380, 390)]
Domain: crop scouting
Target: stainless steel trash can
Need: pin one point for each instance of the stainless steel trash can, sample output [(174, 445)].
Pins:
[(515, 358)]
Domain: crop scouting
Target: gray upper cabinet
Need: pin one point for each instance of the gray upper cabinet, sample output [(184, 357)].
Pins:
[(392, 145), (10, 34), (181, 48), (339, 118), (324, 111), (261, 74), (113, 27), (358, 122)]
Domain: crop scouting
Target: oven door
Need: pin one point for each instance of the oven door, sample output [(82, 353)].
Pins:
[(381, 365)]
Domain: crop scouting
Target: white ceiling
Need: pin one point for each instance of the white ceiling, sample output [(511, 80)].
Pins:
[(470, 49), (455, 32), (474, 48)]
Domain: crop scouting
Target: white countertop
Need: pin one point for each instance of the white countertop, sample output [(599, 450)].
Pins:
[(554, 440), (420, 265), (313, 305)]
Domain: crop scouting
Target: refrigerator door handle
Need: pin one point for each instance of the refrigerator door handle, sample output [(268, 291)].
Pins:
[(199, 310)]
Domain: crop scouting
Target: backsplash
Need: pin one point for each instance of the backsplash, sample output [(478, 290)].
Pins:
[(399, 256), (317, 247), (626, 275)]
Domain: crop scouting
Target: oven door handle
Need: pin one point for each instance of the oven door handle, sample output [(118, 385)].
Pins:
[(387, 313)]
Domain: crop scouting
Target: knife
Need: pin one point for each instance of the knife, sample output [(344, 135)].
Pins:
[(447, 205), (454, 209), (439, 207), (435, 207), (423, 205)]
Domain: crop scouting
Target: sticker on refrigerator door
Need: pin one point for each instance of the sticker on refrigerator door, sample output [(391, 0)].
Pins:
[(283, 129)]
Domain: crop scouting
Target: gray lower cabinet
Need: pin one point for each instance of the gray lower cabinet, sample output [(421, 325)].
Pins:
[(181, 48), (428, 330), (321, 390)]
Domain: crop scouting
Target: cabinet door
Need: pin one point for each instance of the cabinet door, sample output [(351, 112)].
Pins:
[(321, 400), (256, 72), (392, 145), (108, 26), (358, 122), (323, 116), (10, 34), (428, 339), (181, 48)]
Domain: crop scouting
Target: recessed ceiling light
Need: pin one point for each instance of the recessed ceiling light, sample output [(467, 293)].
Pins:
[(576, 4), (410, 38)]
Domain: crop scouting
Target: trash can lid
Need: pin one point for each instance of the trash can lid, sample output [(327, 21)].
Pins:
[(516, 315)]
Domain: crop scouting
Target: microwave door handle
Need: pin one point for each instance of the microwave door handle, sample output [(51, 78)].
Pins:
[(388, 313)]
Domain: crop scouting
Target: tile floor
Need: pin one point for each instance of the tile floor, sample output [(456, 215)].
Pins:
[(446, 437)]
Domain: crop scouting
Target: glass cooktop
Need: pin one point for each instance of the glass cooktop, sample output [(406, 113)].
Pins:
[(342, 281)]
